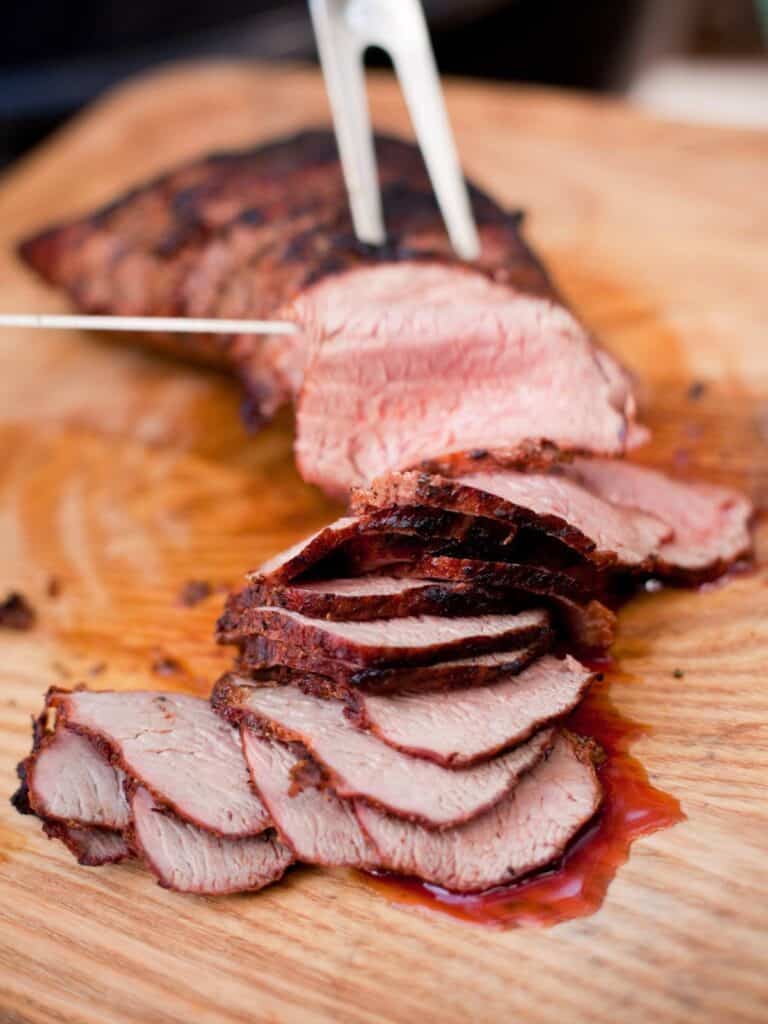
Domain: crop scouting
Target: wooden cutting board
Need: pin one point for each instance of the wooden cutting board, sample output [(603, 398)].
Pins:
[(124, 475)]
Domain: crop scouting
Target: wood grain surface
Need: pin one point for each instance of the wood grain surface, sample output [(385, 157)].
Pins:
[(123, 475)]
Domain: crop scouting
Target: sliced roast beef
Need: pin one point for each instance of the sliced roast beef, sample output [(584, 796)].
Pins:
[(330, 676), (91, 847), (574, 584), (374, 552), (304, 554), (604, 531), (415, 640), (428, 584), (360, 598), (177, 748), (77, 794), (319, 826), (529, 829), (585, 620), (191, 859), (360, 765), (355, 545), (454, 363), (70, 780), (465, 726), (710, 525), (367, 598), (439, 526), (349, 546), (591, 627), (464, 584)]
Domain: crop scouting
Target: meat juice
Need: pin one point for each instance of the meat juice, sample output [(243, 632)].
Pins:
[(631, 808)]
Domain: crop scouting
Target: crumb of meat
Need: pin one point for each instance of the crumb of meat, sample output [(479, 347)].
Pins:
[(678, 673), (164, 665), (16, 612), (53, 587), (193, 592), (20, 798)]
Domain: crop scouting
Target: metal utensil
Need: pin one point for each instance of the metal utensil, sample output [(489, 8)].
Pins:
[(185, 325), (344, 30)]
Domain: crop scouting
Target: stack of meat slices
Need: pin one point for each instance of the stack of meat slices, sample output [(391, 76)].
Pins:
[(341, 794), (400, 690), (155, 776), (399, 703)]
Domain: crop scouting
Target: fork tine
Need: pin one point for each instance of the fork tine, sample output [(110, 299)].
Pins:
[(414, 62), (344, 28), (341, 56)]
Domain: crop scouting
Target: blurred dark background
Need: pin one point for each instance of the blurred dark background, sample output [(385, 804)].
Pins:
[(56, 57)]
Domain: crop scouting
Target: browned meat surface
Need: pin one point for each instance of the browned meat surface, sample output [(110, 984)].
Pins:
[(610, 511), (440, 526), (415, 640), (315, 823), (16, 612), (304, 554), (348, 546), (528, 829), (190, 859), (574, 583), (402, 541), (357, 545), (286, 663), (176, 747), (91, 847), (710, 525), (360, 765), (467, 725), (242, 234), (604, 531), (409, 364)]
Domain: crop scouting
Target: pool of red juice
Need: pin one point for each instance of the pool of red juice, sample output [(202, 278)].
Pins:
[(577, 885)]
